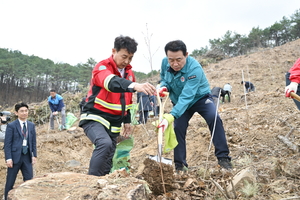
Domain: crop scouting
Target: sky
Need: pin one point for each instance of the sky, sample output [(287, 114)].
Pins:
[(72, 31)]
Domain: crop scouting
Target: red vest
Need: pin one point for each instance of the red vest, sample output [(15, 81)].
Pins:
[(105, 100)]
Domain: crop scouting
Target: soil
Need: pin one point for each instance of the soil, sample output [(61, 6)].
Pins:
[(253, 124)]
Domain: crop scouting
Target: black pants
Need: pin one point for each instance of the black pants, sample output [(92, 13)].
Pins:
[(25, 166), (105, 146), (207, 109), (143, 116)]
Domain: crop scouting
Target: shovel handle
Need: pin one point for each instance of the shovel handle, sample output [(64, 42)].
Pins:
[(295, 96)]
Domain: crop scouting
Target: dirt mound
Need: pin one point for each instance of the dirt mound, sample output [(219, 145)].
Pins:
[(252, 124)]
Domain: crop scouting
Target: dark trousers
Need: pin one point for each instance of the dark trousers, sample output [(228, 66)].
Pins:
[(228, 94), (143, 116), (25, 166), (207, 109), (105, 146)]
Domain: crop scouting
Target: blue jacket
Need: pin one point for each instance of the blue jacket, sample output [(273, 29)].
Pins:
[(57, 103), (186, 86)]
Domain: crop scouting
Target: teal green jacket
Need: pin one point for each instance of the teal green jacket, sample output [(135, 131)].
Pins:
[(186, 86)]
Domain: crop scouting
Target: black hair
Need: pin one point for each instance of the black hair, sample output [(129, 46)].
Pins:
[(20, 105), (125, 42), (174, 46), (52, 90)]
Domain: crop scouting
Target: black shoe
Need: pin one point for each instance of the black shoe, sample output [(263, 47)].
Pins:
[(225, 163)]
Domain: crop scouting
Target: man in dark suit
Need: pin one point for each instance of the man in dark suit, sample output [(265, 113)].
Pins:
[(19, 147)]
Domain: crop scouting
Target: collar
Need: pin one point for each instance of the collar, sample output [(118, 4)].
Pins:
[(121, 71), (115, 68), (21, 122)]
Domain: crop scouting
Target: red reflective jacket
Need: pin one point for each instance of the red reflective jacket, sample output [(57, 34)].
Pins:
[(109, 98), (295, 72)]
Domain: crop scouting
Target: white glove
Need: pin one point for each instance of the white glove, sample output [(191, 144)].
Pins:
[(55, 113), (167, 118), (163, 125), (292, 87)]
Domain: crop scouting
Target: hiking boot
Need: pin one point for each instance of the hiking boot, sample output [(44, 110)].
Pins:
[(182, 170), (225, 163)]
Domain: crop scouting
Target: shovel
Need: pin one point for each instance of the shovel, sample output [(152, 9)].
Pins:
[(57, 120), (159, 157), (295, 96)]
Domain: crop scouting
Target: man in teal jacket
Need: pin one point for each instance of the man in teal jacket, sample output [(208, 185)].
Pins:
[(183, 77)]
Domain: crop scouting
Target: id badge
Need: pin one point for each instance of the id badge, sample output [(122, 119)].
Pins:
[(24, 143)]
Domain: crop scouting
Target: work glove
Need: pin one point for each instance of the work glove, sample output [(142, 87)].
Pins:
[(167, 119), (292, 87), (162, 90), (55, 113)]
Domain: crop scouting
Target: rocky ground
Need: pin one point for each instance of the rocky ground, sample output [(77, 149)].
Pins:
[(253, 124)]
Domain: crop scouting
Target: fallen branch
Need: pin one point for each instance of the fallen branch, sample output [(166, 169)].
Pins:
[(288, 143), (220, 188), (296, 197), (233, 188), (290, 132)]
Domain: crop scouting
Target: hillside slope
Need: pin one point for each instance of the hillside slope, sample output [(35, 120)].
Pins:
[(252, 129)]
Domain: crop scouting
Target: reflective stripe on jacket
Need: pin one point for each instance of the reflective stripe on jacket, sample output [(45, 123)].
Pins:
[(104, 122), (109, 97)]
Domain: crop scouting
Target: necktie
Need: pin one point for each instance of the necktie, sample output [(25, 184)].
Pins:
[(24, 148)]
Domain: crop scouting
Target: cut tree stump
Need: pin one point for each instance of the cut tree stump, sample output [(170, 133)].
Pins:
[(69, 185)]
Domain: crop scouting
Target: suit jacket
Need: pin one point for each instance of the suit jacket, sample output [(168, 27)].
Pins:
[(14, 139)]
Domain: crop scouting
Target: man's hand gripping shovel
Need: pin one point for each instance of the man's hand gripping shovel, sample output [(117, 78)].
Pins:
[(159, 157)]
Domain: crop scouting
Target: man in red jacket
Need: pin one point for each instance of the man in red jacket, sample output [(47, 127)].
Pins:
[(108, 102)]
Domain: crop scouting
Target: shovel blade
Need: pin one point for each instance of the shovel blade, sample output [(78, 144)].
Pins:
[(163, 160)]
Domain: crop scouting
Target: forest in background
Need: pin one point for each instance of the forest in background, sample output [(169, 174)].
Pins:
[(29, 78), (233, 44)]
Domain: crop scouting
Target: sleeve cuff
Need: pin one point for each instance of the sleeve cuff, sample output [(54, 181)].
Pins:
[(132, 85)]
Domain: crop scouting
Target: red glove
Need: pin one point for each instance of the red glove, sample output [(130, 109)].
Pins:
[(162, 90)]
